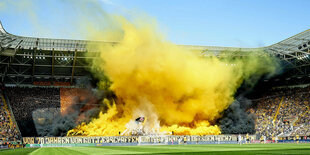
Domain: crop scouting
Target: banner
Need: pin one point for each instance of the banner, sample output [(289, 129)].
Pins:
[(129, 139)]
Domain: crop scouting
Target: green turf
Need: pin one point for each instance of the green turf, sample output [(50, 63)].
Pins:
[(170, 149), (18, 151)]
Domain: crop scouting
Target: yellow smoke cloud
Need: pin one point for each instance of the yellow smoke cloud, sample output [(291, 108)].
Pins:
[(2, 5), (174, 88)]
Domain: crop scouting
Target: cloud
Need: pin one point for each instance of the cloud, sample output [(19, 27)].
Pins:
[(108, 2), (1, 5)]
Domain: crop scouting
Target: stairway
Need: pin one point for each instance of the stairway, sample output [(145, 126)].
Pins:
[(275, 116)]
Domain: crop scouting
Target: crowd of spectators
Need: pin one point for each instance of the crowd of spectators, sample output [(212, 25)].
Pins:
[(287, 118), (67, 97), (25, 100), (280, 112), (8, 128)]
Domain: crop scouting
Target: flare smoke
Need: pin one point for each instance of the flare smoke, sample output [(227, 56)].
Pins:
[(175, 88)]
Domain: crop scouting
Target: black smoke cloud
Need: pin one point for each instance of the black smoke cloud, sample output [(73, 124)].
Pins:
[(50, 121), (236, 119)]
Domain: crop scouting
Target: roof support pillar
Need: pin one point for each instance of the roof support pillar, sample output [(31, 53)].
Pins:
[(53, 61), (73, 66), (33, 63)]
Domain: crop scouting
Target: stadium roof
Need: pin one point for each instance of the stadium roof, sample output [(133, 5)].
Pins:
[(13, 41), (64, 59), (295, 46)]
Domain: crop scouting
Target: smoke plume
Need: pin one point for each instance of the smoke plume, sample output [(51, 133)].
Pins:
[(57, 122), (236, 120), (175, 88)]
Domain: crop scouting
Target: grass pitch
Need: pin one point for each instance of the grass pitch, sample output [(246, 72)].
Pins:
[(169, 149)]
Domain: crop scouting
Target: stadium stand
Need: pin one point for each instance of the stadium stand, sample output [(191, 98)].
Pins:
[(66, 97), (8, 128), (25, 100), (283, 113), (279, 112)]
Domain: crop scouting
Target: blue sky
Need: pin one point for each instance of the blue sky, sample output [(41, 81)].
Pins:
[(235, 23)]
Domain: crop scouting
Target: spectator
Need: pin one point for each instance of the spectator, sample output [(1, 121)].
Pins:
[(8, 130), (292, 118), (26, 100)]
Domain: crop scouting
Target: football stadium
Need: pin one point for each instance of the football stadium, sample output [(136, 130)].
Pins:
[(141, 94)]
